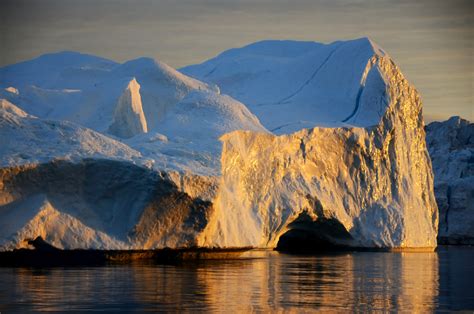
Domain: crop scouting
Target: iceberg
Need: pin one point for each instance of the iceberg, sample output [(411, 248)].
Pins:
[(271, 145), (451, 146)]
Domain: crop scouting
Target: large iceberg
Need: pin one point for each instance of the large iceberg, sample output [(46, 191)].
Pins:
[(307, 143)]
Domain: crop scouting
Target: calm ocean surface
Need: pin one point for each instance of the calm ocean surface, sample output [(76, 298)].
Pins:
[(261, 281)]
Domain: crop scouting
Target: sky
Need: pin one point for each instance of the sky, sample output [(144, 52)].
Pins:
[(431, 40)]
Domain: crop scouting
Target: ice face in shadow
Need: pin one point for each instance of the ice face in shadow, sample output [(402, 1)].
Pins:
[(308, 235), (451, 146), (97, 204)]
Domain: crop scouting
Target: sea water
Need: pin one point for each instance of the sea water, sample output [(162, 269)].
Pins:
[(261, 281)]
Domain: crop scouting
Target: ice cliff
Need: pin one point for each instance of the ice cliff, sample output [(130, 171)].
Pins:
[(321, 144), (451, 146), (367, 174)]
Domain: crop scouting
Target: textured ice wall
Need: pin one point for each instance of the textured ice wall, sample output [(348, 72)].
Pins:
[(451, 146), (376, 181)]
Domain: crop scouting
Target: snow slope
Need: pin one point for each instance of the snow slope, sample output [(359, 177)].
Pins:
[(451, 146), (292, 85)]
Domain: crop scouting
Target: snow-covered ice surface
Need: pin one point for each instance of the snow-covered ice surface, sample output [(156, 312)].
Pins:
[(143, 103), (451, 146), (88, 93), (25, 139), (292, 85), (97, 154)]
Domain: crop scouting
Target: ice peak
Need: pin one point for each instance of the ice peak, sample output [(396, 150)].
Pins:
[(373, 45), (364, 44), (129, 119), (133, 84)]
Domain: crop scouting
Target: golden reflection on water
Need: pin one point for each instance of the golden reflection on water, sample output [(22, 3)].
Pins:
[(262, 281)]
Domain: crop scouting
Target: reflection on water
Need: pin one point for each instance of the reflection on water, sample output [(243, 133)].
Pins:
[(262, 281)]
